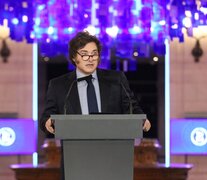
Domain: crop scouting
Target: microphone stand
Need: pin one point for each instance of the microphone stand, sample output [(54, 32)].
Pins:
[(66, 98), (130, 100)]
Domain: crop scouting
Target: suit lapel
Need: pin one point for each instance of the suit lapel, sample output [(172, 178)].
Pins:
[(74, 106), (104, 91), (73, 99)]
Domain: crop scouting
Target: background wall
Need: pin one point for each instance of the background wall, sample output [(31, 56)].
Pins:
[(16, 95), (188, 93)]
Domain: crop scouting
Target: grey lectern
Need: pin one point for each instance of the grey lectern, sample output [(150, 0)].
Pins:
[(98, 147)]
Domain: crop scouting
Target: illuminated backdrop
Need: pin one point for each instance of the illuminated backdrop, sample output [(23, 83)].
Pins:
[(124, 26)]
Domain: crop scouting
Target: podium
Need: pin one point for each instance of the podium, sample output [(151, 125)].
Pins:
[(98, 147)]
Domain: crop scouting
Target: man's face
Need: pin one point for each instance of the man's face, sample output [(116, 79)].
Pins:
[(87, 64)]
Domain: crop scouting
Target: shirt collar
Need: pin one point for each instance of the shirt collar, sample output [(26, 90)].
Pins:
[(80, 74)]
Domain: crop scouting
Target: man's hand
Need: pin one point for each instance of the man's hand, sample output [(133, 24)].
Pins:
[(49, 126), (146, 125)]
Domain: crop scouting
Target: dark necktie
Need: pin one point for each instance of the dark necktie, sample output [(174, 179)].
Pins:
[(91, 95)]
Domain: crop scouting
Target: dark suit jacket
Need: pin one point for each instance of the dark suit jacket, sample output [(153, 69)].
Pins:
[(115, 95)]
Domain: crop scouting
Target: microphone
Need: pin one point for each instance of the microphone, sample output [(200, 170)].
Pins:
[(129, 97), (66, 98), (126, 92), (114, 81)]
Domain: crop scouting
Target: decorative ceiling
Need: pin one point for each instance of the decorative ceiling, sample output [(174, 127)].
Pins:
[(122, 24)]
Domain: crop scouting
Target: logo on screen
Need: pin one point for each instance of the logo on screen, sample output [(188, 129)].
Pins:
[(7, 136), (199, 136)]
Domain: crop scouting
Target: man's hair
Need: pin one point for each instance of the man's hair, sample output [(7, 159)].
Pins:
[(79, 41)]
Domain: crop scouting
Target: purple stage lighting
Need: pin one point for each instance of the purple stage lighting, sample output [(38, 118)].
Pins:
[(188, 136), (17, 136)]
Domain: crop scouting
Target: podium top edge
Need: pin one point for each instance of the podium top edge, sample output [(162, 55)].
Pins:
[(98, 116)]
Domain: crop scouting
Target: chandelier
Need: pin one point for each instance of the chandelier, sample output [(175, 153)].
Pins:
[(127, 24)]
